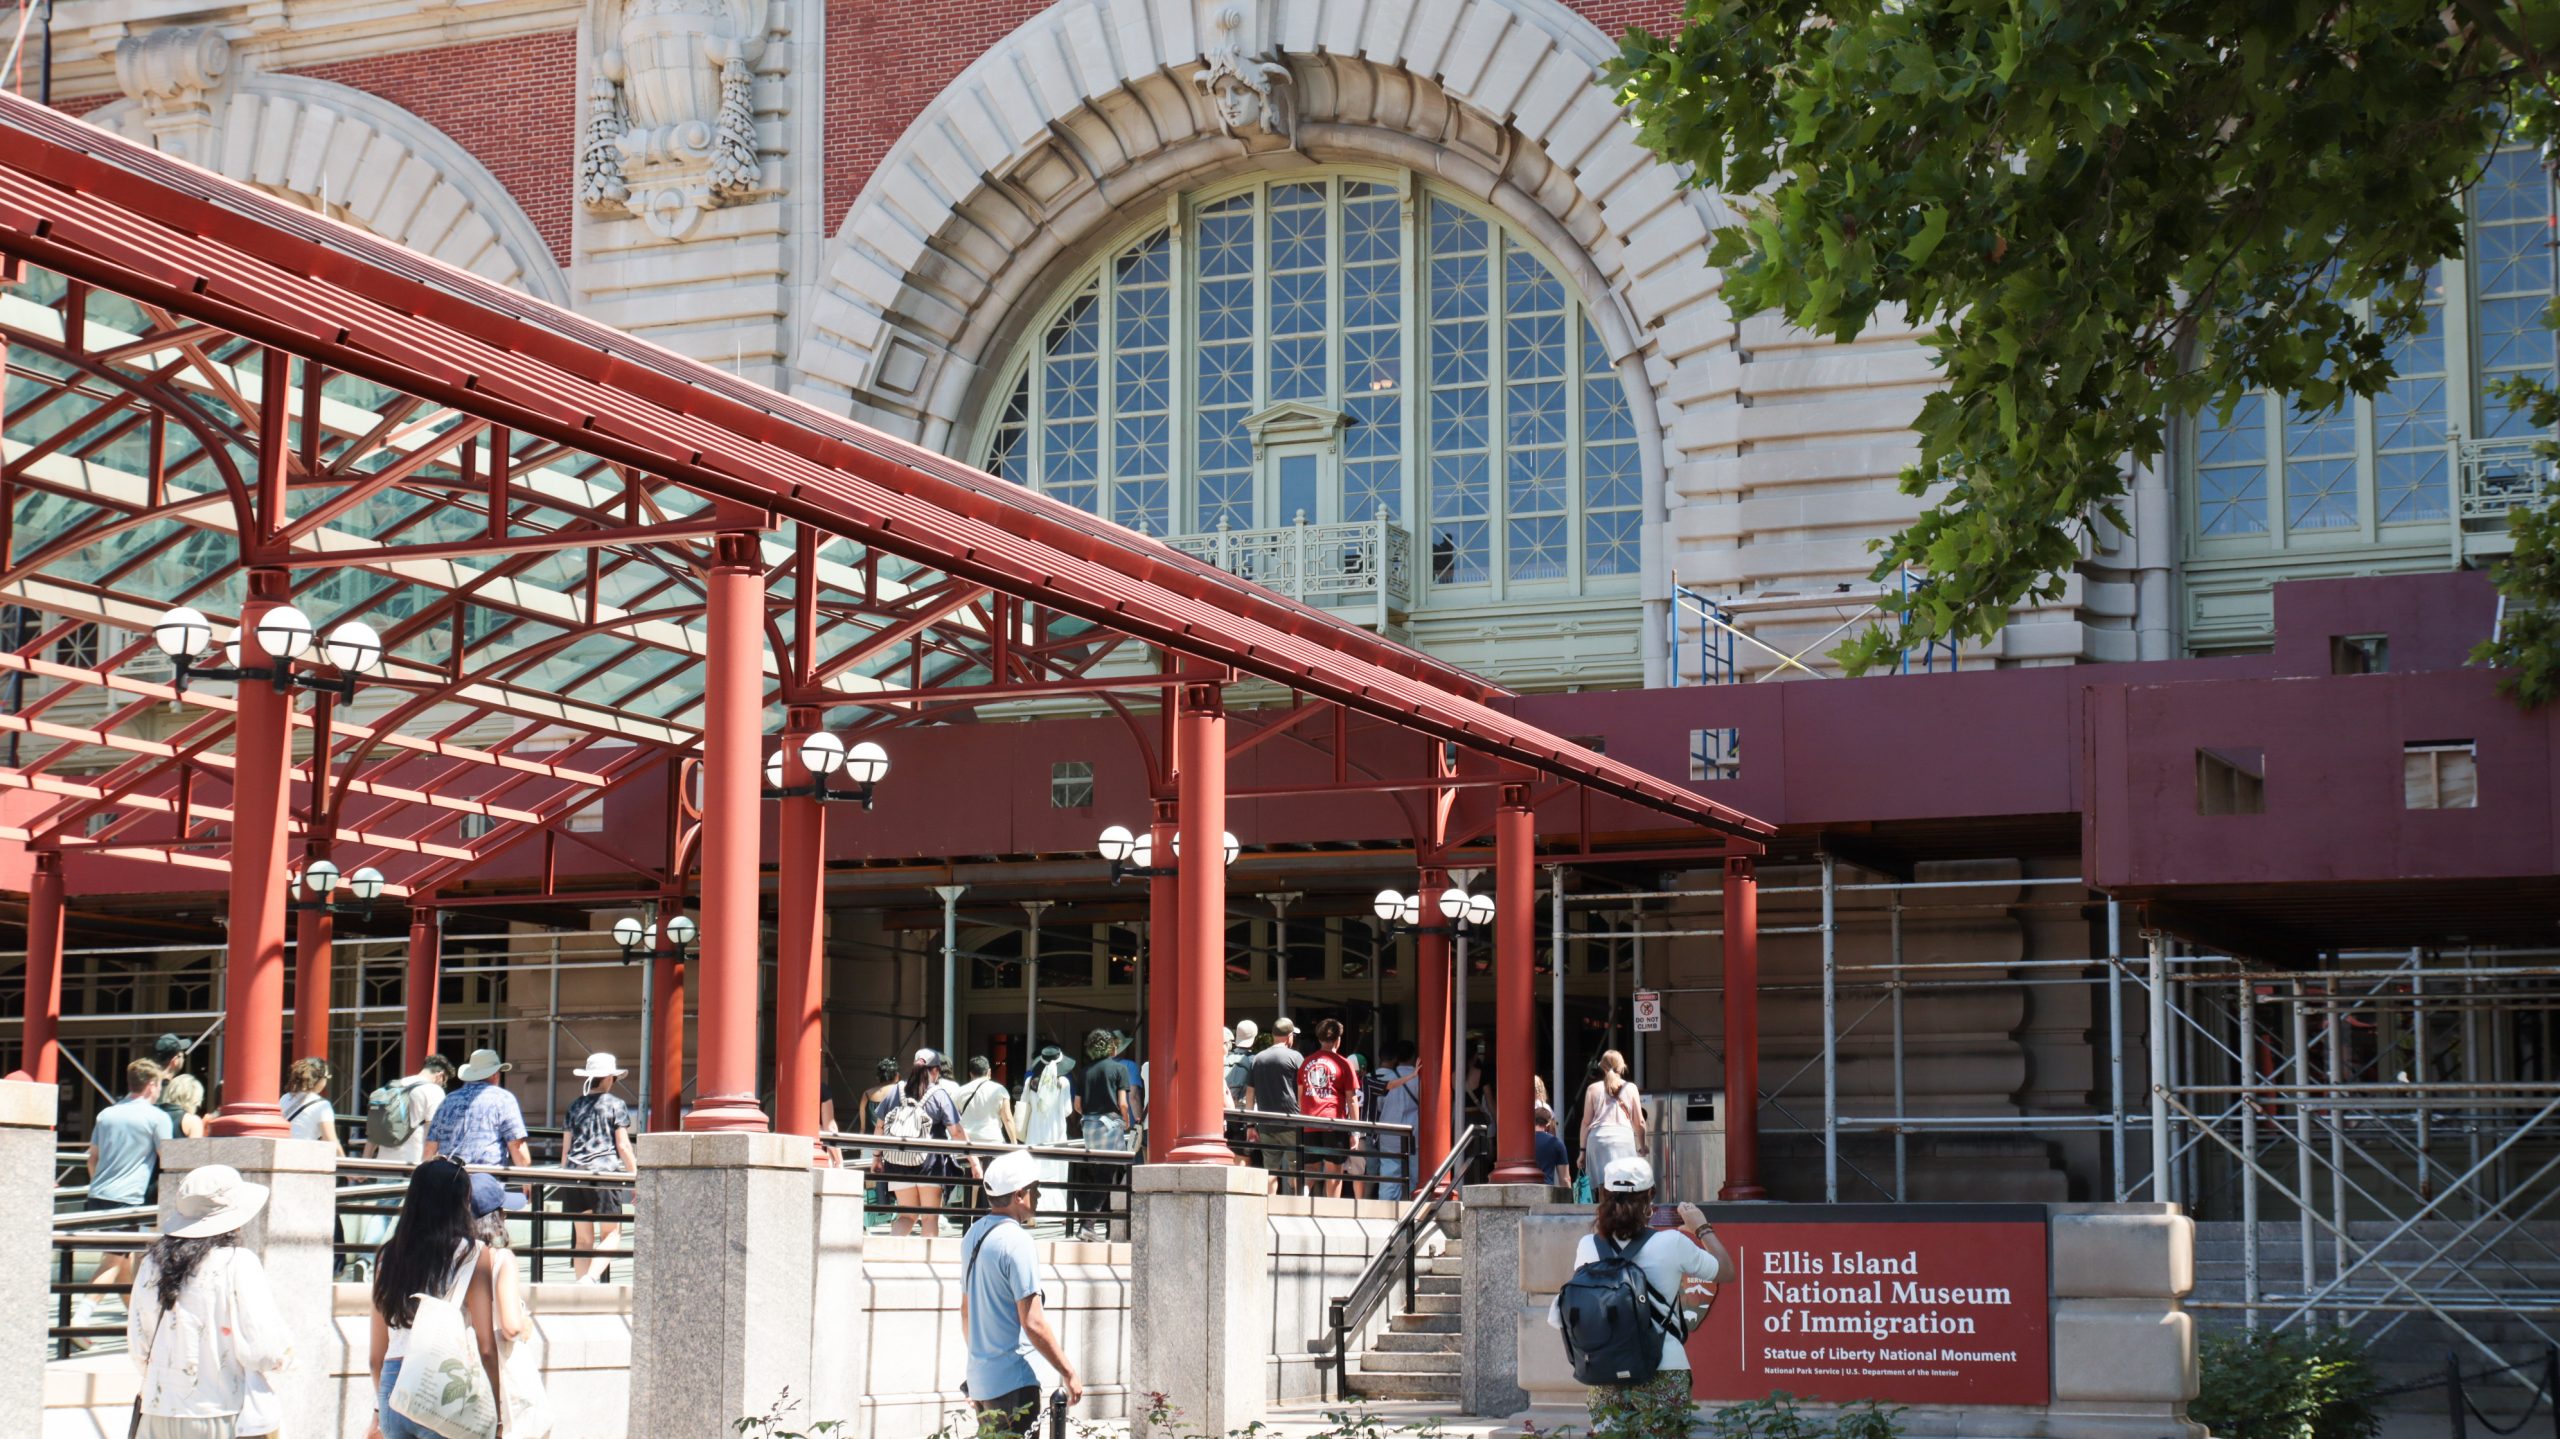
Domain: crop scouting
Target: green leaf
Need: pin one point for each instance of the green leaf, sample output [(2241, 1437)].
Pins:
[(1933, 228)]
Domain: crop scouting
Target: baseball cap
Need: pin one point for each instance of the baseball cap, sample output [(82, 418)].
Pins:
[(168, 1044), (1008, 1172), (1284, 1026), (926, 1058), (1631, 1175), (488, 1196)]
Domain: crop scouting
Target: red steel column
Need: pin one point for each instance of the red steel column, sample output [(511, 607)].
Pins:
[(1515, 967), (41, 1054), (724, 1085), (1164, 993), (313, 929), (423, 986), (1741, 1030), (1200, 729), (1431, 1025), (666, 1043), (253, 1023), (799, 985)]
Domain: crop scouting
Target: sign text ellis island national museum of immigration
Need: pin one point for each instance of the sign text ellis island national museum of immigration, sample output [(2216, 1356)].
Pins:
[(1908, 1303)]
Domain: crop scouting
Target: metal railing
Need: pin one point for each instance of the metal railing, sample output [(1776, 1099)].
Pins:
[(1279, 1143), (2498, 476), (1331, 566), (541, 1220), (1092, 1193), (1399, 1257)]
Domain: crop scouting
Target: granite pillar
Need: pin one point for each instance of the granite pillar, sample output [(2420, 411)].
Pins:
[(2124, 1347), (721, 1312), (840, 1297), (26, 1250), (1199, 1296), (1489, 1302), (291, 1236)]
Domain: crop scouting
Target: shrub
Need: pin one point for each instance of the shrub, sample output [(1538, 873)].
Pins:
[(2280, 1384)]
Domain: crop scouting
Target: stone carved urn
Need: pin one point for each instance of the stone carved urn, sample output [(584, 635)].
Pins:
[(671, 128)]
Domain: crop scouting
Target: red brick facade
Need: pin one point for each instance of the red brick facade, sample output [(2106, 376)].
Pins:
[(512, 103), (875, 90)]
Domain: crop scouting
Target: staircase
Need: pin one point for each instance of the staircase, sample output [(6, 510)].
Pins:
[(1417, 1356)]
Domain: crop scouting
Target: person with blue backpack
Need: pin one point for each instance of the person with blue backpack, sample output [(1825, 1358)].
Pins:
[(1628, 1310)]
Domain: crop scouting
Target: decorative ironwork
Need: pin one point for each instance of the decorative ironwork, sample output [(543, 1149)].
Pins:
[(2498, 475), (1332, 566)]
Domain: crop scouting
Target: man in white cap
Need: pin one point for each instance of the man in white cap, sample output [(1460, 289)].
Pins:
[(596, 1139), (479, 1123), (1000, 1314), (1239, 1061)]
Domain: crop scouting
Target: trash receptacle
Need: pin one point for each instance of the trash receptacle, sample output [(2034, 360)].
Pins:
[(1688, 1143)]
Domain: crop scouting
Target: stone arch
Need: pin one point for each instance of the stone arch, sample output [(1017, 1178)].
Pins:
[(363, 160), (1038, 151)]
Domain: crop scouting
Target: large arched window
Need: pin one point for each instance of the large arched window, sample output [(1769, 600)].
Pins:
[(1332, 349)]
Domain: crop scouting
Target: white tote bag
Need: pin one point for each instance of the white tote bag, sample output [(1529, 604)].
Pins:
[(442, 1386), (528, 1406)]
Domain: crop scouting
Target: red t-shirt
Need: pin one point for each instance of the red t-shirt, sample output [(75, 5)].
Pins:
[(1326, 1085)]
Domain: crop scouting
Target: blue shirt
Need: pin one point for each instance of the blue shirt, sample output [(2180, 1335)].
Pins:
[(1551, 1158), (1003, 1270), (128, 1135), (476, 1123)]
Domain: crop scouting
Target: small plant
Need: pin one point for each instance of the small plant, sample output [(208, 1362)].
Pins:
[(1869, 1420), (2279, 1384), (768, 1425)]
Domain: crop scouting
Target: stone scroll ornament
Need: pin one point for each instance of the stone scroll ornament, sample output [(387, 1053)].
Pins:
[(1243, 85), (671, 124)]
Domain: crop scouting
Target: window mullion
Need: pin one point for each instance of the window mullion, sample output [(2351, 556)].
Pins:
[(1576, 442), (1497, 409), (1181, 377), (1105, 391), (1412, 512)]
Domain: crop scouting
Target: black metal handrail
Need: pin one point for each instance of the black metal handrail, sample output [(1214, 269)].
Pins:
[(1400, 1255), (1104, 1181), (1289, 1162)]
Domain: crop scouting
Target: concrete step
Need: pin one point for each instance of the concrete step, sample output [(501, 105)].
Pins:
[(1435, 1304), (1436, 1341), (1390, 1362), (1436, 1283), (1452, 1264), (1404, 1386), (1438, 1323)]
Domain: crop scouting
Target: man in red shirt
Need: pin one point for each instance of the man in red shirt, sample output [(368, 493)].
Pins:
[(1328, 1088)]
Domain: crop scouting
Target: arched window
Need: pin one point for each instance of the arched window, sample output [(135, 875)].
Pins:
[(1336, 349)]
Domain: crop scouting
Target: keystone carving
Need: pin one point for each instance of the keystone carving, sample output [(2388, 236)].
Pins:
[(1242, 84), (671, 125), (173, 75)]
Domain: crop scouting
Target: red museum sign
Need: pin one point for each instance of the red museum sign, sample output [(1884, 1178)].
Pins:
[(1904, 1303)]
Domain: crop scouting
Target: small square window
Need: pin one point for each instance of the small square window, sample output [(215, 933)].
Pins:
[(2359, 654), (1071, 784), (2440, 774), (2231, 781), (78, 647), (1715, 754), (587, 818), (477, 826), (97, 823)]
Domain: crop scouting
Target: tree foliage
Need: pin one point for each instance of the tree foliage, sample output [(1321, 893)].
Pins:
[(2100, 213)]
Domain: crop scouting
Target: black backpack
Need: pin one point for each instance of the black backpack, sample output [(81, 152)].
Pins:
[(1613, 1322)]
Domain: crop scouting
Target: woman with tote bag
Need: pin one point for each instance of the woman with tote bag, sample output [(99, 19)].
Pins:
[(443, 1300), (201, 1324)]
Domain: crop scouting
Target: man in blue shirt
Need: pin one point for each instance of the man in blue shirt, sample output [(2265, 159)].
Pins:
[(1552, 1161), (479, 1123), (1000, 1313), (124, 1152)]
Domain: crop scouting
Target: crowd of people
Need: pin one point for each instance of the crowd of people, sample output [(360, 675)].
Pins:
[(201, 1325)]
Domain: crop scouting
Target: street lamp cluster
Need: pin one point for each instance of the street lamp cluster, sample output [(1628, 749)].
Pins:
[(824, 755), (323, 880), (1455, 905), (1134, 855), (284, 633), (633, 936)]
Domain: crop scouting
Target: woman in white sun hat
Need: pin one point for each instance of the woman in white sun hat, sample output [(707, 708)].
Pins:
[(597, 1141), (202, 1325)]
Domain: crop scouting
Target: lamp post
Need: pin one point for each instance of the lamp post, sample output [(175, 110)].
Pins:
[(1463, 913), (284, 634), (1133, 856), (679, 932), (323, 880)]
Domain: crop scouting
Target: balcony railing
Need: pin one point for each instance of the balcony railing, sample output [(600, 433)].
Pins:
[(1363, 568), (2494, 478)]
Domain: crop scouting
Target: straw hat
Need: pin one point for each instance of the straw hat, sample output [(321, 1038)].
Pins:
[(481, 1064), (212, 1199)]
